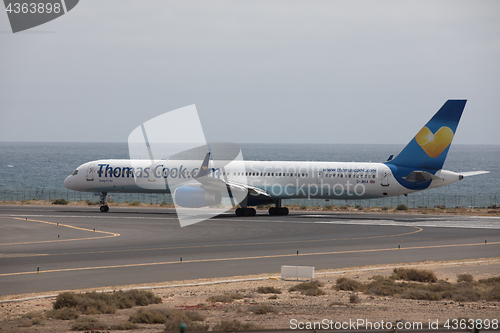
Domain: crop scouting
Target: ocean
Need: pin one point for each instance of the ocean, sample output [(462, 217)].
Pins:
[(37, 170)]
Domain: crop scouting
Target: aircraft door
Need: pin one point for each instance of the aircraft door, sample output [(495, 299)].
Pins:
[(319, 175), (90, 172), (386, 174)]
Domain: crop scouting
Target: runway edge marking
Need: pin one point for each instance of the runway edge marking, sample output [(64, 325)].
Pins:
[(109, 234)]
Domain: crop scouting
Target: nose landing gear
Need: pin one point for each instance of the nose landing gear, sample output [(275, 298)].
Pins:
[(104, 208)]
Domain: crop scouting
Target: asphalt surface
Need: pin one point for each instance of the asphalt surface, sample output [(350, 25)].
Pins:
[(138, 245)]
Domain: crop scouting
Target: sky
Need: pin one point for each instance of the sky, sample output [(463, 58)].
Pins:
[(289, 71)]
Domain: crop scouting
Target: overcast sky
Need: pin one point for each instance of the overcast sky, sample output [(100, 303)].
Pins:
[(258, 71)]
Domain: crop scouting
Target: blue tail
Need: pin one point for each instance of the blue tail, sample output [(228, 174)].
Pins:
[(429, 148)]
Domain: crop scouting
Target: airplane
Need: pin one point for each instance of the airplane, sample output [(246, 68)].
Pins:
[(417, 167)]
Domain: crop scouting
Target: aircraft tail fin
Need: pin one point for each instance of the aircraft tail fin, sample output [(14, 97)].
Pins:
[(429, 148)]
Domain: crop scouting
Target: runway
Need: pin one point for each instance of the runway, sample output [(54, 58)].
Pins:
[(138, 245)]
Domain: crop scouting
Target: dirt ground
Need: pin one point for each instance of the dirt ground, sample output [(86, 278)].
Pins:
[(292, 307)]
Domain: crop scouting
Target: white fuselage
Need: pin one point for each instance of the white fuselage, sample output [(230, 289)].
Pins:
[(281, 179)]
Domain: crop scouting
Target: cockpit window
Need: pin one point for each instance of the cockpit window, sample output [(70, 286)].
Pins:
[(74, 173)]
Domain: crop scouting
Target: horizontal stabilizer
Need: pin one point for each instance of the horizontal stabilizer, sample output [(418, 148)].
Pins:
[(473, 173)]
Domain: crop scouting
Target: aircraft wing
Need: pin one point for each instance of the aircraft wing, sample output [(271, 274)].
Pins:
[(220, 185), (217, 184)]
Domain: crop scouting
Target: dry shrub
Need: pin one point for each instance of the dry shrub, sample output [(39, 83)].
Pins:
[(32, 315), (467, 295), (172, 318), (63, 314), (273, 297), (262, 309), (382, 286), (268, 290), (60, 202), (87, 324), (422, 295), (153, 316), (103, 303), (314, 284), (493, 294), (492, 281), (161, 316), (465, 278), (173, 325), (313, 292), (349, 285), (486, 289), (311, 288), (123, 326), (235, 325), (30, 319), (410, 274), (226, 298), (354, 299)]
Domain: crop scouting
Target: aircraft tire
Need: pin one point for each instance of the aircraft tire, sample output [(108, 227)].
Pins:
[(104, 208), (273, 211), (240, 212)]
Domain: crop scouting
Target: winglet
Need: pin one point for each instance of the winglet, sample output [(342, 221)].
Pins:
[(204, 166)]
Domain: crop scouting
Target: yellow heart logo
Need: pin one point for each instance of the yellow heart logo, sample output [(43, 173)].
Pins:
[(204, 168), (434, 143)]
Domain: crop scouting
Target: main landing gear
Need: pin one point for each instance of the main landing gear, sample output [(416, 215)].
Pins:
[(245, 211), (273, 211), (278, 210), (104, 208)]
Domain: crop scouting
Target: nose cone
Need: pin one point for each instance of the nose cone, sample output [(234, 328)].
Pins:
[(67, 182)]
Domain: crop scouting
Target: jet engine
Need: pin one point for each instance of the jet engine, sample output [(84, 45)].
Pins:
[(194, 197)]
